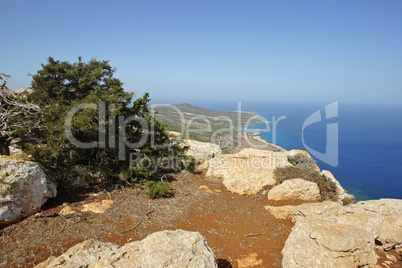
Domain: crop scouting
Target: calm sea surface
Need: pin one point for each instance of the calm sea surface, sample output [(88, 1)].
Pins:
[(370, 141)]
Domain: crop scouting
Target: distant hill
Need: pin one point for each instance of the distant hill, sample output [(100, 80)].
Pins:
[(220, 127)]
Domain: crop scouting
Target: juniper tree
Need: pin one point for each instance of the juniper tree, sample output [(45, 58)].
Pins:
[(60, 87)]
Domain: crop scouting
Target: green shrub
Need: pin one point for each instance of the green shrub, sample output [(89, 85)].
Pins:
[(302, 161), (326, 186), (158, 189), (61, 86)]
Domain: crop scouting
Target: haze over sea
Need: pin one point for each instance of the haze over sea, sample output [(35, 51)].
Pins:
[(370, 141)]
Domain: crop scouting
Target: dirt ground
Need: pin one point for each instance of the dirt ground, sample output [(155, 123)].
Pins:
[(239, 230)]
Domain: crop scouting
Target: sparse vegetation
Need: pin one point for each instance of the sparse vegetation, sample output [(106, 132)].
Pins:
[(158, 189), (349, 200), (302, 161), (326, 186)]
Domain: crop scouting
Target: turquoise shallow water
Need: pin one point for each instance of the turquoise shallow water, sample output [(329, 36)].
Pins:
[(370, 141)]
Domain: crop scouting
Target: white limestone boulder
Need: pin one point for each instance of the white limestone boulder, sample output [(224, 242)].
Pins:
[(295, 189), (24, 188), (389, 228), (248, 171), (161, 249), (201, 151), (316, 242)]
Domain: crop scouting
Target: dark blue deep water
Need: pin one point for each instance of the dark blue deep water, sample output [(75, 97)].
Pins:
[(370, 142)]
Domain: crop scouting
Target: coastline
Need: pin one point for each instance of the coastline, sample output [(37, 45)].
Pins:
[(256, 136)]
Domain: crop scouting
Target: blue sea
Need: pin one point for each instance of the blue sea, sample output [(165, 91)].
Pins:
[(369, 141)]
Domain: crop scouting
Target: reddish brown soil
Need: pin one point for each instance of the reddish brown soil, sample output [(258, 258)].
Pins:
[(235, 226)]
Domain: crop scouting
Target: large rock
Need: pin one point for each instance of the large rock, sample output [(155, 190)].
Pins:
[(24, 188), (295, 189), (388, 230), (161, 249), (382, 219), (323, 210), (202, 151), (342, 196), (81, 255), (248, 171), (316, 242)]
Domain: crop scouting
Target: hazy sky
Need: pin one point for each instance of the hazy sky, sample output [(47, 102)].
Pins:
[(311, 50)]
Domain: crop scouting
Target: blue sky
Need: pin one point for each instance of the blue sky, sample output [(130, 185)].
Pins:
[(289, 50)]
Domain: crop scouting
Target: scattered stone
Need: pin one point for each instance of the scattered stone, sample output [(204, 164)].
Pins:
[(316, 242), (24, 188), (295, 189), (161, 249), (98, 207), (67, 210), (206, 188), (282, 212), (249, 261)]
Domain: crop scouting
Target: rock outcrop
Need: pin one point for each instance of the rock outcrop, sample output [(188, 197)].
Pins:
[(295, 189), (248, 171), (316, 242), (24, 188), (389, 232), (161, 249), (339, 229), (202, 151), (98, 207)]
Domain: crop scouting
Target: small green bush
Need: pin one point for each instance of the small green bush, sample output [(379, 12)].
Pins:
[(302, 161), (326, 186), (157, 189)]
